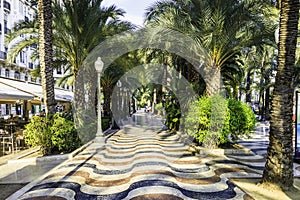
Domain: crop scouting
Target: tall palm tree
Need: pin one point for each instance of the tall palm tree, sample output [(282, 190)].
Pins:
[(222, 28), (78, 27), (279, 164), (45, 54)]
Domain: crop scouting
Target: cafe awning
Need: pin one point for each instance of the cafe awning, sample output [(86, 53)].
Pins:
[(35, 90), (10, 94)]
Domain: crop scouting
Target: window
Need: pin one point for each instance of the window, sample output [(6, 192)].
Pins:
[(30, 65), (6, 30), (7, 73), (22, 57), (26, 78), (58, 70), (17, 75)]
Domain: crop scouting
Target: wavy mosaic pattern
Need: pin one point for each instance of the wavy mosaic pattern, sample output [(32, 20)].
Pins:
[(258, 144), (141, 163)]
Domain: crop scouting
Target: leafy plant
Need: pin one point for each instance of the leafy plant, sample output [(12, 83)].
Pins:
[(242, 119), (38, 133), (105, 123), (213, 121), (64, 136), (52, 133), (173, 113), (159, 108)]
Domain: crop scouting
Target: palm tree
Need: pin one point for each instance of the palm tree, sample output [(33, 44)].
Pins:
[(279, 164), (78, 27), (45, 54), (222, 28)]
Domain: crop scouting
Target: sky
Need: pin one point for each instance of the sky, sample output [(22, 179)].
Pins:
[(134, 9)]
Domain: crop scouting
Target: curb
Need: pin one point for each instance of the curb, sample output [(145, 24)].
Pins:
[(50, 158), (27, 187), (218, 152), (204, 151), (108, 133)]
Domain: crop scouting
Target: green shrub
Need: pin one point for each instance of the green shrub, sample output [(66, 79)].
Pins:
[(38, 133), (52, 134), (64, 135), (159, 109), (242, 119), (173, 113), (215, 121), (105, 123)]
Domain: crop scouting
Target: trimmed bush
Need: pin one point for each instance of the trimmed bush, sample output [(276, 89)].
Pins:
[(54, 134), (64, 135), (213, 121), (242, 119), (38, 133)]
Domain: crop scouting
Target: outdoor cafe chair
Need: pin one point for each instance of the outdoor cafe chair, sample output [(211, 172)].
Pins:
[(10, 142)]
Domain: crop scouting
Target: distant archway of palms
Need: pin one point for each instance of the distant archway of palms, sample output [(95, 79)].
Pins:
[(132, 81), (155, 38)]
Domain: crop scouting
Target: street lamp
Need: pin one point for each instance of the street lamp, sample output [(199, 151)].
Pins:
[(99, 66)]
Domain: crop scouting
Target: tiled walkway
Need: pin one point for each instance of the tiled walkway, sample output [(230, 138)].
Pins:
[(141, 162)]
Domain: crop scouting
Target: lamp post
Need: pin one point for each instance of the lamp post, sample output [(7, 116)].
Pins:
[(99, 66)]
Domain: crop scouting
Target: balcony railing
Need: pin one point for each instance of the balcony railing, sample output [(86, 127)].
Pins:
[(6, 5), (3, 55)]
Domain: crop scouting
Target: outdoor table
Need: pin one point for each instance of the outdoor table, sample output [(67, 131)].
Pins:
[(11, 127)]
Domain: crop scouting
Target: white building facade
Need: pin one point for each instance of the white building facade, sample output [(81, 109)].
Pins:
[(11, 13)]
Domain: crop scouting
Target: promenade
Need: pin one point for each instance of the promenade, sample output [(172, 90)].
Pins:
[(142, 161)]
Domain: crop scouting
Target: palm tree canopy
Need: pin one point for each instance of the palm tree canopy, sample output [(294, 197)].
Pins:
[(223, 28), (78, 27)]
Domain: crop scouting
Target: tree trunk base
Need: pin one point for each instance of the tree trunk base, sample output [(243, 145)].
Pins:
[(275, 187)]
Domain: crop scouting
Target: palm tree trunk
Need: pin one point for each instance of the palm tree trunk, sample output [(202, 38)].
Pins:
[(107, 93), (248, 87), (267, 104), (45, 54), (212, 79), (279, 164)]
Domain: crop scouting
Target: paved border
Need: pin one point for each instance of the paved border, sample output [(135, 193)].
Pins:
[(50, 158), (204, 151), (27, 187)]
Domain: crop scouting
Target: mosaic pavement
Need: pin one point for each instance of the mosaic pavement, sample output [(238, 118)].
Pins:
[(141, 162)]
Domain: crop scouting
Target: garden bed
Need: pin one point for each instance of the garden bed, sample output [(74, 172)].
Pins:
[(226, 150)]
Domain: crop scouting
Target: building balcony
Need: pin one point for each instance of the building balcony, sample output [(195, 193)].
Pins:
[(6, 6)]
